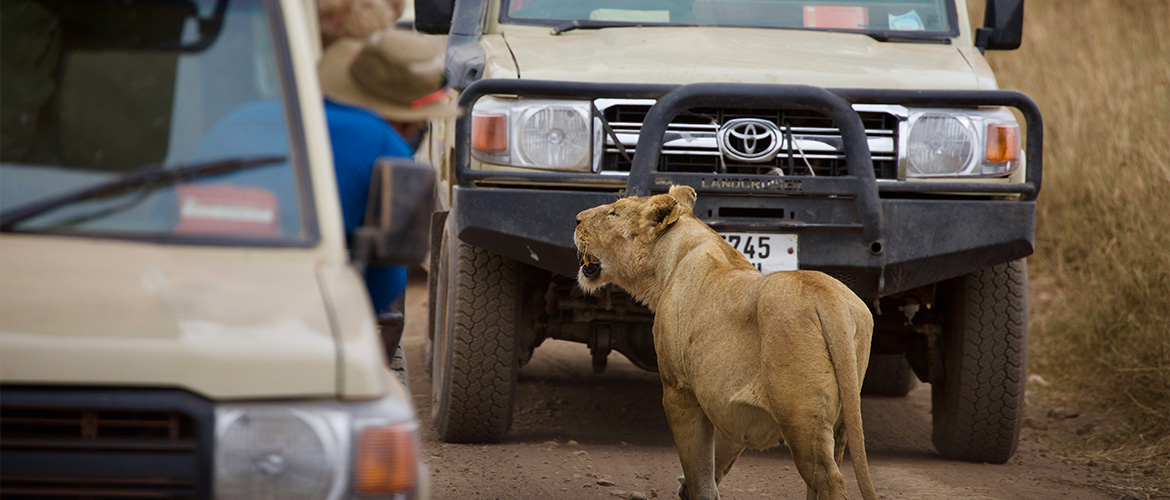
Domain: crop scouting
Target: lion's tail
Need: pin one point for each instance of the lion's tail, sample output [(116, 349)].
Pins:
[(844, 355)]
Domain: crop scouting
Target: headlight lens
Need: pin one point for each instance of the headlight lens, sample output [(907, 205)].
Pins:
[(535, 133), (274, 453), (939, 145), (962, 143), (557, 136), (316, 450)]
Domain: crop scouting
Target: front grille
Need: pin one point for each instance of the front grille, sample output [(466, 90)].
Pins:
[(58, 443), (811, 144), (848, 279), (97, 429)]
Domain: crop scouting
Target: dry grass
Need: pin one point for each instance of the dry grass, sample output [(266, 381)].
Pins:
[(1100, 72)]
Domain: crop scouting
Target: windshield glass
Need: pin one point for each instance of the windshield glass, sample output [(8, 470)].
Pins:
[(95, 91), (894, 18)]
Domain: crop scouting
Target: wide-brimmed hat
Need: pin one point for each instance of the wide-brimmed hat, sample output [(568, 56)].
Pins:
[(395, 73), (356, 18)]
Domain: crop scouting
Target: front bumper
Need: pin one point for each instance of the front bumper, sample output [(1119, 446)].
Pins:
[(143, 442), (925, 241), (879, 238)]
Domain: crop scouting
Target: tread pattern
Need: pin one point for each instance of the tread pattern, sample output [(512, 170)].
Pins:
[(978, 407), (481, 379), (398, 365)]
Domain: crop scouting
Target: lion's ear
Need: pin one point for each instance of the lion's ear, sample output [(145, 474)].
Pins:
[(663, 211), (684, 195)]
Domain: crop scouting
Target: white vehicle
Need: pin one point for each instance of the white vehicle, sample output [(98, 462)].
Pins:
[(180, 316), (863, 138)]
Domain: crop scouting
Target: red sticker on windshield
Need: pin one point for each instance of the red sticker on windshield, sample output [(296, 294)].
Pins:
[(224, 209), (834, 16)]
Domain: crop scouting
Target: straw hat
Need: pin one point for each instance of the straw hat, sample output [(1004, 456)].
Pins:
[(397, 74), (356, 18)]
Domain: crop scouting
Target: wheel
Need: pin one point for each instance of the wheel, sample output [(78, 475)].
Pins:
[(474, 357), (398, 365), (436, 285), (978, 404), (437, 280), (436, 302), (888, 375)]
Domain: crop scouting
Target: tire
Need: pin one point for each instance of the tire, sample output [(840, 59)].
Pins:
[(436, 285), (474, 366), (978, 405), (888, 375), (398, 365), (436, 306)]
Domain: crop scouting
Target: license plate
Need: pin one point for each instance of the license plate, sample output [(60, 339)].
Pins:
[(768, 252)]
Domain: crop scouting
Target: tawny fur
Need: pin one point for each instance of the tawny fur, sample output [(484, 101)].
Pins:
[(747, 360)]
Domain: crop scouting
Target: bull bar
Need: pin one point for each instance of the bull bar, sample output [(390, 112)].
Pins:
[(879, 238)]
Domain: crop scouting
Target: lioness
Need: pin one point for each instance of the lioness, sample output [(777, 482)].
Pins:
[(746, 359)]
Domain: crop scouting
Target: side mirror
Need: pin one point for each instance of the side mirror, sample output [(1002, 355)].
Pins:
[(433, 16), (398, 215), (1003, 25)]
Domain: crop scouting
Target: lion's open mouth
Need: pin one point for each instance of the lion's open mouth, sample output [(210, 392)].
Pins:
[(590, 266)]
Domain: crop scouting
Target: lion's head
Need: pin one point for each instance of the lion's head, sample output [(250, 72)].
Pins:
[(616, 240)]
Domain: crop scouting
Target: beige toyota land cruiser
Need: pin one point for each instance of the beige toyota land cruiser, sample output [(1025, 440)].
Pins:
[(180, 316), (863, 138)]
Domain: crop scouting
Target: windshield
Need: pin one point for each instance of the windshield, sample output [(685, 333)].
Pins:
[(98, 93), (893, 19)]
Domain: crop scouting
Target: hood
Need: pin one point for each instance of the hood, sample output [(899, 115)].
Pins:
[(221, 322), (737, 55)]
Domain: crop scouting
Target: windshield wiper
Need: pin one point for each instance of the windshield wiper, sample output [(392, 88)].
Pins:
[(905, 37), (596, 25), (148, 177), (881, 36)]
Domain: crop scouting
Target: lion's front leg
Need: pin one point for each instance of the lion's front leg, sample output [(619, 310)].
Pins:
[(694, 438), (727, 450)]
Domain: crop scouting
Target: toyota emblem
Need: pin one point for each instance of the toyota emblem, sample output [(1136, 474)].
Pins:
[(749, 140)]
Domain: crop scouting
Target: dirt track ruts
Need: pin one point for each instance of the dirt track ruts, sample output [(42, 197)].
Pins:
[(576, 435)]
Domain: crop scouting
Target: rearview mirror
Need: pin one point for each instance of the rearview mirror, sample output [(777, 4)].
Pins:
[(433, 16), (1003, 25), (398, 215)]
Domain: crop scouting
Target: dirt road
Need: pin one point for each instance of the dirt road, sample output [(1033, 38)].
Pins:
[(577, 435)]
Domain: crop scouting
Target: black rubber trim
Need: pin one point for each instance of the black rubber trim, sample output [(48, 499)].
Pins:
[(82, 464)]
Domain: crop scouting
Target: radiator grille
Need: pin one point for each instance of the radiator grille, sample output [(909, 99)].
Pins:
[(71, 449), (37, 427), (812, 145)]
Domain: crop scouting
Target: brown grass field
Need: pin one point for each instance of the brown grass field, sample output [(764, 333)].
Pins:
[(1100, 336)]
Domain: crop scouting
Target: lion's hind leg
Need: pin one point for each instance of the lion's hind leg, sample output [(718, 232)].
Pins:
[(813, 451), (840, 437), (810, 430), (694, 439)]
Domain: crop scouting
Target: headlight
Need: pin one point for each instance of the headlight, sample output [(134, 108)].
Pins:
[(962, 143), (275, 452), (315, 450), (535, 133)]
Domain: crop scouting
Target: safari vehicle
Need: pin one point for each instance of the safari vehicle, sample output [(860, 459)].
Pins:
[(863, 138), (179, 314)]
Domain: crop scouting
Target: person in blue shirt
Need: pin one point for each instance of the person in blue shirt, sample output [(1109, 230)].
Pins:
[(359, 138), (391, 82)]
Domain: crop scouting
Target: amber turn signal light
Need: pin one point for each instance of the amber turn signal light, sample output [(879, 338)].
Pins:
[(1003, 142), (385, 461), (489, 133)]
